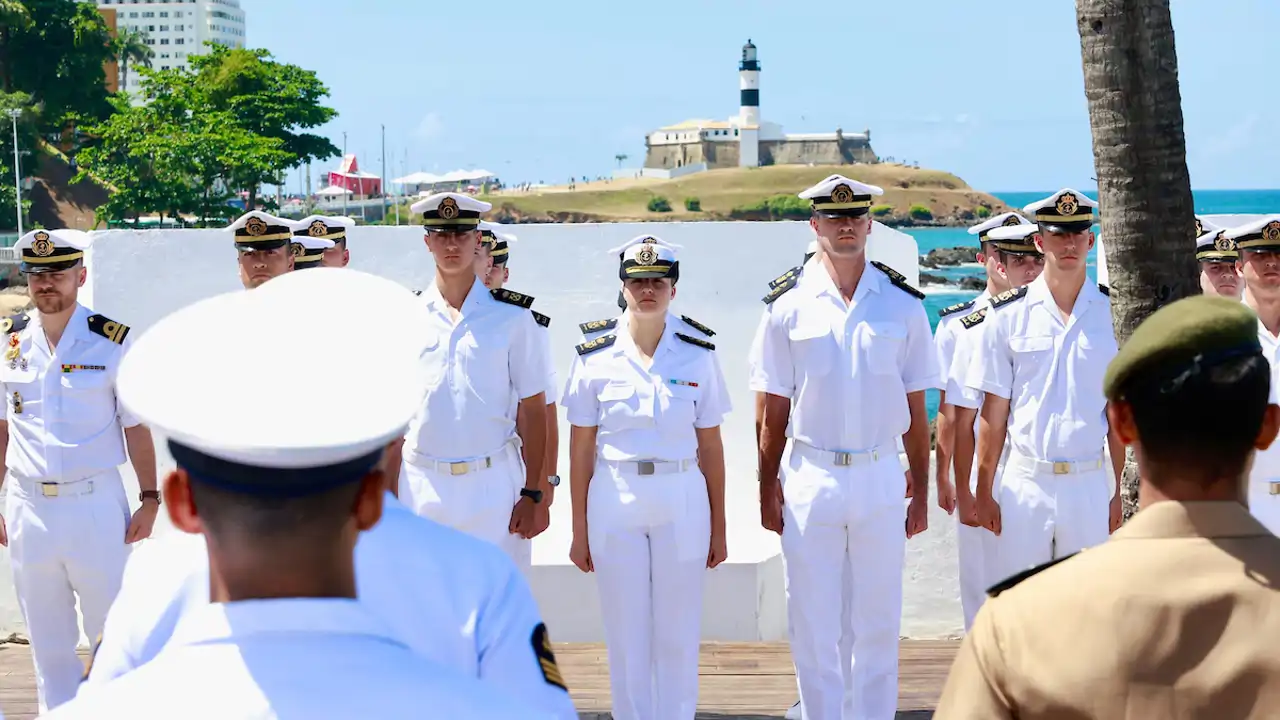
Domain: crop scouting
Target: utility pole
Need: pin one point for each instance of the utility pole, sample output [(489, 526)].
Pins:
[(307, 200), (383, 187), (14, 114), (344, 180)]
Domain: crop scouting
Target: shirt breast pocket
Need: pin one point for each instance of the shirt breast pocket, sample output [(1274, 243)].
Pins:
[(813, 349), (484, 364), (620, 407), (87, 382), (1030, 357), (682, 403), (882, 346)]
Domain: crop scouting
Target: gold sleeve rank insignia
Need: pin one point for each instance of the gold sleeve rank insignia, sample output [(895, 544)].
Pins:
[(547, 658)]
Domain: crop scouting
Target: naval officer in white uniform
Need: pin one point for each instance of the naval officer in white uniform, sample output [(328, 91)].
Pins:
[(335, 230), (1217, 256), (1258, 243), (462, 462), (281, 495), (647, 484), (66, 517), (311, 240), (262, 247), (1039, 362), (845, 357)]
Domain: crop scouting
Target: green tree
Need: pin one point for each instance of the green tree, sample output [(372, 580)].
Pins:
[(26, 139), (57, 57), (14, 18), (130, 47)]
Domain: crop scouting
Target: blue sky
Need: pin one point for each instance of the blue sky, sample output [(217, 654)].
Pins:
[(541, 91)]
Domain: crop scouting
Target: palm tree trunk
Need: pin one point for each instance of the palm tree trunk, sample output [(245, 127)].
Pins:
[(1139, 152)]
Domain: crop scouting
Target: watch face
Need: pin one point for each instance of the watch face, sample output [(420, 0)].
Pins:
[(554, 480)]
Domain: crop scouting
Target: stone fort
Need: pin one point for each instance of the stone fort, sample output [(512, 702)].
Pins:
[(747, 141)]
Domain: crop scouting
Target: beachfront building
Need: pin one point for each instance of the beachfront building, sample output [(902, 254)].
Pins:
[(177, 29), (746, 140)]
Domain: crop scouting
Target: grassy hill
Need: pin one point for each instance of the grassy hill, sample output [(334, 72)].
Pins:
[(912, 197)]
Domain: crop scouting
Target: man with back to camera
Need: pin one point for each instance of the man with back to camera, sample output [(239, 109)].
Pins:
[(1176, 615), (65, 433), (1039, 362), (280, 494), (262, 247), (1217, 256), (461, 463)]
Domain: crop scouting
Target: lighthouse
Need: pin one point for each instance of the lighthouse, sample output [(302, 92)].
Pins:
[(749, 110)]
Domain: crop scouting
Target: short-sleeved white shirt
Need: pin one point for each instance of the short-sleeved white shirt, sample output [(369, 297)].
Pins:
[(1050, 369), (847, 368), (1266, 463), (70, 424), (647, 413), (473, 370), (946, 337)]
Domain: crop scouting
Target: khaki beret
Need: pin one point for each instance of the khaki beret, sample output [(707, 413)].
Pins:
[(1182, 333)]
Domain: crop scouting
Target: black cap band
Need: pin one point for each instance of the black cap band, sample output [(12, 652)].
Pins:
[(270, 482)]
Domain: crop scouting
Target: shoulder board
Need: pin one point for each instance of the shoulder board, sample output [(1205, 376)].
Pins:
[(14, 323), (779, 291), (793, 272), (1009, 582), (698, 326), (974, 318), (1104, 289), (953, 309), (417, 292), (541, 319), (108, 328), (599, 343), (598, 325), (1009, 296), (512, 298), (695, 341), (898, 279)]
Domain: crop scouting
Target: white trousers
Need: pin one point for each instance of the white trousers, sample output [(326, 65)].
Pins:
[(1044, 516), (976, 550), (62, 548), (1262, 504), (478, 503), (852, 517), (649, 537)]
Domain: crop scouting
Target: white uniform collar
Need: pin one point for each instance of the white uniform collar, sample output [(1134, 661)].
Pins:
[(819, 281), (314, 616), (436, 301), (1038, 291), (666, 342)]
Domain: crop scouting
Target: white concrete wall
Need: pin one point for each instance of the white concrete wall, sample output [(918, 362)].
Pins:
[(660, 173), (137, 277)]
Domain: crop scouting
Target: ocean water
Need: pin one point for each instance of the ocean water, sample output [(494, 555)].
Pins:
[(1207, 202)]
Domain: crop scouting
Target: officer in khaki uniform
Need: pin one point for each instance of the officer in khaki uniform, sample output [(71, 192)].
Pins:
[(1177, 614)]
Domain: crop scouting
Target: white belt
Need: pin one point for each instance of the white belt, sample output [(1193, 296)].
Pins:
[(1045, 467), (841, 458), (59, 489), (455, 467), (651, 467)]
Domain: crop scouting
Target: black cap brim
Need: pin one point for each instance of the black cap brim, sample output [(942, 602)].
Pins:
[(264, 245), (37, 268), (1070, 227), (832, 214)]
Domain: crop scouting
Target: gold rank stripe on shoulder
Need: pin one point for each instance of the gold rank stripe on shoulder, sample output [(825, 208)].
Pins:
[(108, 328), (972, 319), (953, 309), (898, 279), (598, 325), (698, 326), (541, 319), (793, 272), (512, 298), (779, 291), (1008, 296), (695, 341), (599, 343), (1009, 582)]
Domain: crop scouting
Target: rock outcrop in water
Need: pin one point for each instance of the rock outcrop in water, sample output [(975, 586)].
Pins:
[(947, 257)]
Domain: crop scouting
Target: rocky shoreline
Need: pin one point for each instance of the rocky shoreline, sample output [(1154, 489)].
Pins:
[(946, 258)]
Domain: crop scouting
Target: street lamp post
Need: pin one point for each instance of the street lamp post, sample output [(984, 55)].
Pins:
[(14, 114)]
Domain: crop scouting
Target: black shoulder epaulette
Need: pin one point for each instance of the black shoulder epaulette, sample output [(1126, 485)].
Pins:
[(695, 341), (898, 279), (973, 318), (541, 319), (1104, 289), (108, 328), (1009, 582), (1009, 296), (598, 325), (14, 323), (698, 326), (953, 309), (793, 272), (599, 343), (512, 298), (779, 291), (417, 292)]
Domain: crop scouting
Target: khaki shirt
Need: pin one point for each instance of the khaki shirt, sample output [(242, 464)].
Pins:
[(1176, 616)]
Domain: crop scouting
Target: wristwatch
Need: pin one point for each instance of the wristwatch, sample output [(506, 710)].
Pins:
[(534, 495), (553, 480), (149, 495)]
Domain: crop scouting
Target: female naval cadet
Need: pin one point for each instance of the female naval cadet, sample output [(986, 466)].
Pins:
[(647, 486)]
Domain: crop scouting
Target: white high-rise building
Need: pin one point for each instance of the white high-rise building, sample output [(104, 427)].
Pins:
[(178, 29)]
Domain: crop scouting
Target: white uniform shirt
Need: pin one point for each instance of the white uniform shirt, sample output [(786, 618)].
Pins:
[(1266, 463), (292, 658), (70, 425), (946, 337), (473, 369), (962, 346), (846, 368), (1051, 370), (645, 414), (451, 598)]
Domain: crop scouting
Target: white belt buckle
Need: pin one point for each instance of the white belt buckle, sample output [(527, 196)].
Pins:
[(1061, 468), (844, 459), (459, 468), (644, 467), (51, 489)]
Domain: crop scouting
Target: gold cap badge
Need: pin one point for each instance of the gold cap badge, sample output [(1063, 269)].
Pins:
[(1199, 227), (647, 255), (255, 226), (1067, 205), (297, 250), (842, 194), (1271, 233), (448, 209), (1012, 220), (42, 245), (317, 229), (1223, 244)]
